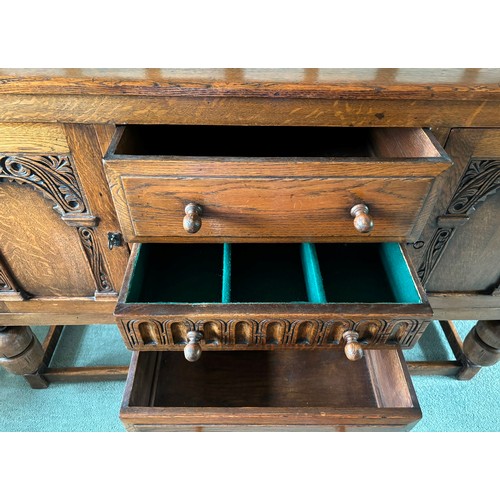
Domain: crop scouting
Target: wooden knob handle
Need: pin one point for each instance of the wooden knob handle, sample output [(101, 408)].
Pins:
[(352, 349), (192, 351), (362, 221), (192, 219)]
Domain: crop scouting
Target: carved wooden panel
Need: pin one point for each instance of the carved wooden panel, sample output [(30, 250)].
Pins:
[(96, 260), (157, 334), (43, 254), (52, 175), (55, 178), (433, 252), (471, 260), (480, 180)]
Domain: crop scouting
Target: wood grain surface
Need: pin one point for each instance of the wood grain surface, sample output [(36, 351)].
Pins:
[(61, 311), (471, 306), (120, 109), (43, 253), (274, 83), (471, 262), (32, 138), (85, 143), (237, 209)]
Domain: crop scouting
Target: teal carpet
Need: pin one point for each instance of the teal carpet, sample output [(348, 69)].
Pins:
[(447, 404)]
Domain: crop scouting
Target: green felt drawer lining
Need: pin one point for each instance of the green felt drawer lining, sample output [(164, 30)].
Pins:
[(331, 273)]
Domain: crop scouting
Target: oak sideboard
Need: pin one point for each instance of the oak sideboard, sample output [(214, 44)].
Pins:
[(268, 241)]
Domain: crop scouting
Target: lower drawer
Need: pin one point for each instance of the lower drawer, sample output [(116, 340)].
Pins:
[(262, 390)]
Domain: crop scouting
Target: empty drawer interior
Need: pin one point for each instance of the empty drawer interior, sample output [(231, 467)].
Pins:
[(271, 379), (272, 273), (265, 141)]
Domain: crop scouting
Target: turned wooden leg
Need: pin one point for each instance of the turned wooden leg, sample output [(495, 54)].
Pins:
[(21, 353), (481, 348)]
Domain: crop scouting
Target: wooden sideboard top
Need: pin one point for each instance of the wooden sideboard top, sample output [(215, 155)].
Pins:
[(428, 84), (434, 98)]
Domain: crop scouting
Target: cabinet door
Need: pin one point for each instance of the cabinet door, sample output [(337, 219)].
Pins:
[(458, 255), (56, 213), (40, 252)]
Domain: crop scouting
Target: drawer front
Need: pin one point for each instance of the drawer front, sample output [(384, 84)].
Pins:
[(267, 297), (277, 331), (269, 198), (249, 209), (256, 391)]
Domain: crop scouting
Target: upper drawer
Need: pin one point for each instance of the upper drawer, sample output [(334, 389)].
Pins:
[(270, 183)]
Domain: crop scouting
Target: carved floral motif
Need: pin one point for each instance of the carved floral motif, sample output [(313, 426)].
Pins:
[(52, 175)]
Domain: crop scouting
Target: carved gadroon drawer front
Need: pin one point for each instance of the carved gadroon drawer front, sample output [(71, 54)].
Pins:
[(256, 184), (270, 296)]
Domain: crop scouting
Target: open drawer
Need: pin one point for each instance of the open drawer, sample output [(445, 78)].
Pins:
[(253, 184), (286, 390), (271, 296)]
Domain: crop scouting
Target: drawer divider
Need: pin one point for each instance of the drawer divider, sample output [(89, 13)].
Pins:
[(226, 274), (312, 274)]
